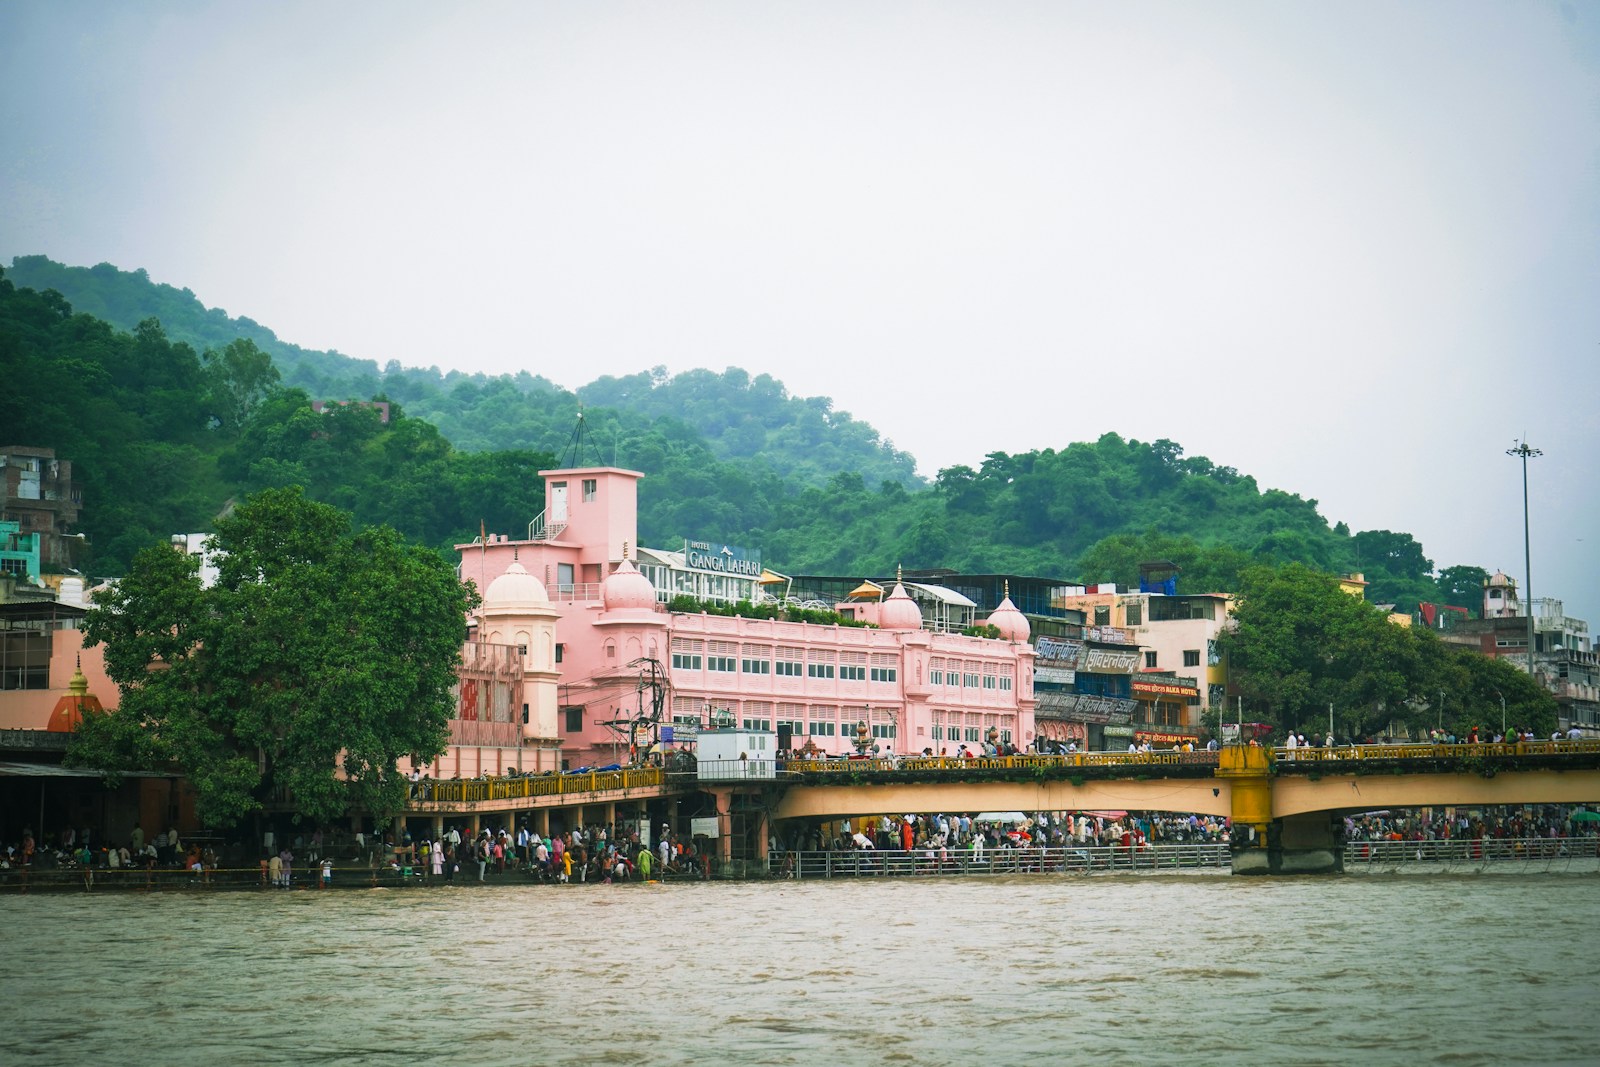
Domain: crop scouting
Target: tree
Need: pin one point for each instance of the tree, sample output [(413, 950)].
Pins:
[(1462, 586), (1300, 644), (319, 658)]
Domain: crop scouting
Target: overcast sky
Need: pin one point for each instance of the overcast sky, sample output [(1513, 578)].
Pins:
[(1350, 248)]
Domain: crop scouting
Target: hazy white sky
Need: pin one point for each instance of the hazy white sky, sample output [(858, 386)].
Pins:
[(1347, 248)]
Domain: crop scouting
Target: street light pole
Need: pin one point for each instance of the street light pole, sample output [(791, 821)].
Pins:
[(1525, 453), (1502, 697)]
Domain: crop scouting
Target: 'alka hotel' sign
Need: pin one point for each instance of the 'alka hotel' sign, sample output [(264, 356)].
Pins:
[(718, 558)]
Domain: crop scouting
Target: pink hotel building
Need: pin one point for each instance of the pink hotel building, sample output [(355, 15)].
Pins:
[(586, 651)]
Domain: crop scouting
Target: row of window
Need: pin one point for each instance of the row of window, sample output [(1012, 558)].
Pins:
[(968, 680), (785, 668), (969, 733)]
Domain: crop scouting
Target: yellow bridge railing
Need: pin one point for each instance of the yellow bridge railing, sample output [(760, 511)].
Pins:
[(477, 790), (1166, 757), (1426, 750)]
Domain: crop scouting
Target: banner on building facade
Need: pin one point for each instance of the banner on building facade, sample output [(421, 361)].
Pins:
[(1109, 635), (1106, 661), (1083, 707), (1055, 675), (1056, 653), (489, 683)]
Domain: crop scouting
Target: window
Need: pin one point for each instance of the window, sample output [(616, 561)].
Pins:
[(561, 650), (1150, 659), (884, 674), (852, 672), (1005, 683), (788, 668), (524, 714), (574, 720), (522, 651), (989, 680), (591, 487), (972, 733), (969, 680), (1191, 657), (685, 661), (938, 733), (757, 659), (764, 725), (611, 650), (820, 664), (883, 729), (790, 663), (723, 663), (1102, 615), (936, 677), (822, 729), (1005, 735), (1133, 613)]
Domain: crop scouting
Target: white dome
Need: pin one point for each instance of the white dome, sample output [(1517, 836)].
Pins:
[(514, 589)]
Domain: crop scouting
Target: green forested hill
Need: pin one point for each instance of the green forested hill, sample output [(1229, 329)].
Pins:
[(738, 418), (164, 431)]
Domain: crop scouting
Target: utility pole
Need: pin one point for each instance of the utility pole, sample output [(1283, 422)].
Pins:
[(1525, 453)]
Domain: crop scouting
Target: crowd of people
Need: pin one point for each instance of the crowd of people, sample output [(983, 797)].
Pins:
[(948, 833), (599, 854)]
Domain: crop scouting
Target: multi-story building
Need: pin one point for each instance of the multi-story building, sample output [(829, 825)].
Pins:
[(1563, 660), (40, 496), (624, 667), (1177, 669)]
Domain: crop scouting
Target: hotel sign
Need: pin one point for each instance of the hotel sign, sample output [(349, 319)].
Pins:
[(1165, 689), (721, 558)]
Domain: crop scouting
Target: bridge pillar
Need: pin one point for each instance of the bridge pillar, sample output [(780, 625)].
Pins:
[(1307, 844), (1248, 773)]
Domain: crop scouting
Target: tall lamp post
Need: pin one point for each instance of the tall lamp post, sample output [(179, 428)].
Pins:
[(1525, 453), (1502, 697)]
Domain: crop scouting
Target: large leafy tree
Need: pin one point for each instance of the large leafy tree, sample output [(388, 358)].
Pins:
[(1300, 643), (320, 656)]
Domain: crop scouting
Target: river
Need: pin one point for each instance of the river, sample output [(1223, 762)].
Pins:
[(1193, 969)]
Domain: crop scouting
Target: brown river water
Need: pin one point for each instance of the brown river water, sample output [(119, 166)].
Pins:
[(1189, 969)]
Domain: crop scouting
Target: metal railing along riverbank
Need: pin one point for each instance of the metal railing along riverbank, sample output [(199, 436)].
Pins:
[(874, 863), (1471, 852), (174, 879)]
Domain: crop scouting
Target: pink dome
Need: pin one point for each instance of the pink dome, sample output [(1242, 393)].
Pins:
[(899, 611), (515, 589), (627, 589), (1012, 624)]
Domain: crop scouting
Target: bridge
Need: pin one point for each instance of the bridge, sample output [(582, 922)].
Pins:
[(1286, 806)]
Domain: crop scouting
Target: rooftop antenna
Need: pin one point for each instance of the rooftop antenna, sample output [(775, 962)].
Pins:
[(574, 451)]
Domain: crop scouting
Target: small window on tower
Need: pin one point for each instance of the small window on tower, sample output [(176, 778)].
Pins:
[(591, 488)]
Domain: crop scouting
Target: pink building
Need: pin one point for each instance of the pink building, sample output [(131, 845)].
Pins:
[(618, 656)]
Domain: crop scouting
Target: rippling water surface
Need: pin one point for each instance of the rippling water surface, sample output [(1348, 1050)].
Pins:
[(1202, 969)]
